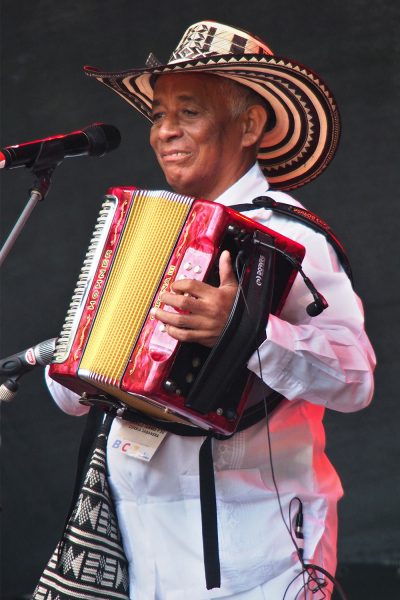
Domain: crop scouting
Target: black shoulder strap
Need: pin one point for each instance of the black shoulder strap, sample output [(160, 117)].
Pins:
[(305, 216)]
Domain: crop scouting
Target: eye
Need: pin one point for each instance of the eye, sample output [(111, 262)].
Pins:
[(190, 112), (156, 116)]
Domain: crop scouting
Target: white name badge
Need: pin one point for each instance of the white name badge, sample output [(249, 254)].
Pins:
[(136, 439)]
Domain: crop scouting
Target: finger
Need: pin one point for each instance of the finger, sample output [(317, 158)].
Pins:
[(183, 302), (181, 321), (190, 335), (197, 289), (226, 273)]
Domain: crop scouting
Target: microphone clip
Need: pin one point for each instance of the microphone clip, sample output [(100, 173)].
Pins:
[(50, 155)]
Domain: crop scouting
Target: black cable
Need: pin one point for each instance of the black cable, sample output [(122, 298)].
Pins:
[(240, 278), (298, 529), (303, 587), (332, 579), (307, 568), (320, 303)]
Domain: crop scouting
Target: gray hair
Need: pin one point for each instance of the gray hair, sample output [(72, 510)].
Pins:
[(240, 97)]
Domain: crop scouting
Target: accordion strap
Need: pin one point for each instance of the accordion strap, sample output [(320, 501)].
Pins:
[(304, 216), (94, 420)]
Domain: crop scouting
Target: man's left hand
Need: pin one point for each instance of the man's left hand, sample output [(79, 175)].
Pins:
[(203, 309)]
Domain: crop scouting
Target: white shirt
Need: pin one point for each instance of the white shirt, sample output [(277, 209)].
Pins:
[(326, 361)]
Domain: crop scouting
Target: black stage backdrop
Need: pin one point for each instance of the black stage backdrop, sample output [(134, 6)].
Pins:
[(354, 46)]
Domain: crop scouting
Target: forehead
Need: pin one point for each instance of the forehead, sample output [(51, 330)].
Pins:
[(187, 86)]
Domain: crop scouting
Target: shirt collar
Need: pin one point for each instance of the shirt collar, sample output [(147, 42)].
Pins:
[(251, 184)]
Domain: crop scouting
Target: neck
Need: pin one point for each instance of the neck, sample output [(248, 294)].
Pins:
[(230, 177)]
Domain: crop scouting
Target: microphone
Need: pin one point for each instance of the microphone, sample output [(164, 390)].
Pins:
[(39, 355), (315, 308), (298, 531), (95, 140)]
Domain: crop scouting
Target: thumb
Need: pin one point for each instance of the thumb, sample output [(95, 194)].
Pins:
[(226, 273)]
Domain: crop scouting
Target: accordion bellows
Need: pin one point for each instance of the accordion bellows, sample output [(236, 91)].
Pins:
[(111, 344), (138, 267)]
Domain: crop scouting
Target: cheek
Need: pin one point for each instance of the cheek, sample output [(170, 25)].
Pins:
[(153, 138), (210, 146)]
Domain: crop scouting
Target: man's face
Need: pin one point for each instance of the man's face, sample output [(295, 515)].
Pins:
[(197, 143)]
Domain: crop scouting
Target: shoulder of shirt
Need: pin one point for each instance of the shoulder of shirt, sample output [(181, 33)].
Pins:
[(252, 185), (283, 197)]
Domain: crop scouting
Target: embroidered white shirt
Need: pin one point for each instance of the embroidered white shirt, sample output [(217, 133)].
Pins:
[(326, 361)]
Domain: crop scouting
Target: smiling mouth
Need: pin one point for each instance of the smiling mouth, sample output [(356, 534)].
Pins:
[(173, 156)]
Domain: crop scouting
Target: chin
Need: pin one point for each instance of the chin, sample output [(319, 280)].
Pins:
[(182, 188)]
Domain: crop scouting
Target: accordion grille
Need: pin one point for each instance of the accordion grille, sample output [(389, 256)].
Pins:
[(150, 233)]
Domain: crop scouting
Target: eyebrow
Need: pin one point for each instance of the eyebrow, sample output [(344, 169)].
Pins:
[(182, 97)]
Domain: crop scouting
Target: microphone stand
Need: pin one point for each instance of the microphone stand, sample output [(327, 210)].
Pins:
[(49, 157)]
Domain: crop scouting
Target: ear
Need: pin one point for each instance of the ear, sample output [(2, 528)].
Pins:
[(254, 122)]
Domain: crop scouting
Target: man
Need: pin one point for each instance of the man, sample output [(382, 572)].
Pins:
[(222, 107)]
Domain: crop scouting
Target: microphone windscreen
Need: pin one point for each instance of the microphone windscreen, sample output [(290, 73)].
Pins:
[(314, 309), (102, 138)]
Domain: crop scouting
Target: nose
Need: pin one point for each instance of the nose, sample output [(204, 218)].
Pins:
[(169, 128)]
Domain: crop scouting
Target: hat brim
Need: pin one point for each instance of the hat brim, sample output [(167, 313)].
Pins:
[(306, 133)]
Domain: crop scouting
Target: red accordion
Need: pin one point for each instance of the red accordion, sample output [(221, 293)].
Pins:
[(111, 344)]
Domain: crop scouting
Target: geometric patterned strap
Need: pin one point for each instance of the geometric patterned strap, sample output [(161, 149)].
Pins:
[(89, 562)]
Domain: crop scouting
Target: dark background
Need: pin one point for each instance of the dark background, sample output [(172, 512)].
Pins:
[(354, 45)]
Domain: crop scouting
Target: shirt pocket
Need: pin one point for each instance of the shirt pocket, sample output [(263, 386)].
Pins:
[(230, 485), (240, 485)]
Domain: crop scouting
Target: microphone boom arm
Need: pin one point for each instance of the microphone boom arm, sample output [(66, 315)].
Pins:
[(37, 193)]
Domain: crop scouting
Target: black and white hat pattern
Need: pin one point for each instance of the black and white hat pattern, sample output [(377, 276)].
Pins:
[(305, 135)]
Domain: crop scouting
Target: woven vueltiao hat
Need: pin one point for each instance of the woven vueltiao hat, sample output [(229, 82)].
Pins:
[(304, 138)]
